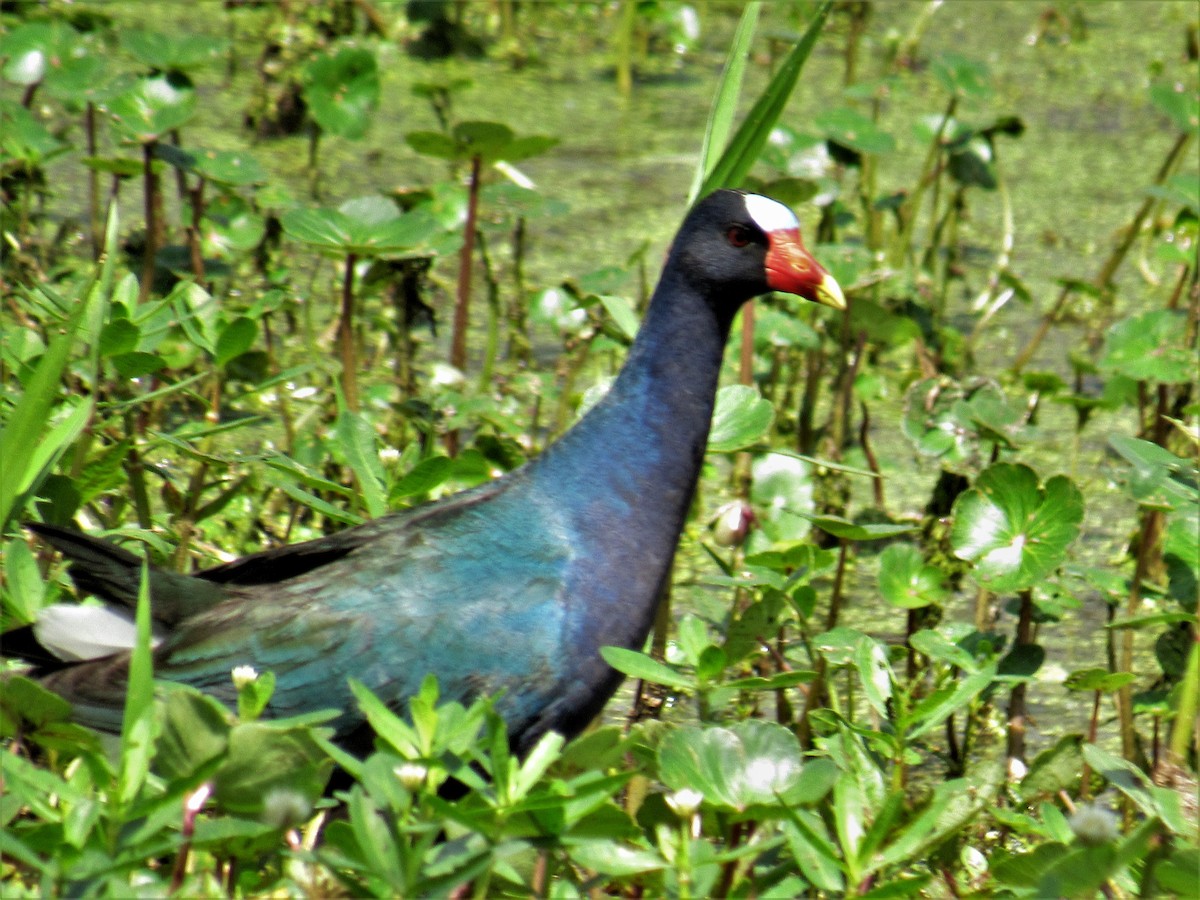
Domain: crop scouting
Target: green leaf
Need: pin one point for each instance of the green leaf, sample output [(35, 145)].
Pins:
[(271, 766), (153, 106), (622, 313), (361, 227), (357, 441), (936, 646), (138, 730), (432, 143), (638, 665), (26, 590), (168, 52), (906, 581), (24, 700), (1015, 531), (962, 76), (747, 143), (422, 478), (1159, 479), (1097, 679), (852, 531), (850, 128), (1180, 102), (725, 102), (955, 422), (342, 91), (23, 137), (119, 336), (750, 763), (195, 734), (617, 860), (741, 419), (137, 364), (934, 709), (24, 434), (781, 492), (1150, 347), (1055, 769), (235, 339)]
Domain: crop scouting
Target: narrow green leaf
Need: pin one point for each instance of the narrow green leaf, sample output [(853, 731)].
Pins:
[(137, 726), (622, 313), (22, 437), (720, 115), (752, 134), (356, 439), (940, 705), (639, 665)]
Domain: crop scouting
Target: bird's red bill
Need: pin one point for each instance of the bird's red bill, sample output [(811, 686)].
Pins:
[(791, 268)]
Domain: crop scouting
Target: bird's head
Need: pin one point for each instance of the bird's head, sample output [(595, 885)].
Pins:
[(738, 245)]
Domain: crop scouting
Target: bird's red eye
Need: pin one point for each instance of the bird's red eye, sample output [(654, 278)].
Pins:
[(738, 235)]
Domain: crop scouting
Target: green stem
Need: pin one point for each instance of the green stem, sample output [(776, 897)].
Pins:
[(345, 335)]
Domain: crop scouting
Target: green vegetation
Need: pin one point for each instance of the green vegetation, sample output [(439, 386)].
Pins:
[(933, 630)]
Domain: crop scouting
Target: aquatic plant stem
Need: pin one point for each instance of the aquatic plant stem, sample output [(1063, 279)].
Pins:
[(152, 208), (462, 296), (1149, 541), (1016, 703), (345, 336)]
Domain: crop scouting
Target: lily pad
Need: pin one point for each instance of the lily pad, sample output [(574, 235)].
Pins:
[(1014, 530)]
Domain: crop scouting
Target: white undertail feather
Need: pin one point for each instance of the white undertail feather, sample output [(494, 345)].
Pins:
[(74, 633)]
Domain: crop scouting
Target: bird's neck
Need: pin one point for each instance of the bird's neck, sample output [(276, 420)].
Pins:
[(634, 459)]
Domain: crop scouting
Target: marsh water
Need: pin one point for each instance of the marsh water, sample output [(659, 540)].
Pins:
[(1091, 145)]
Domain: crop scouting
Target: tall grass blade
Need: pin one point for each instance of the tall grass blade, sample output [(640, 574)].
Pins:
[(27, 449), (724, 108), (138, 724), (752, 134)]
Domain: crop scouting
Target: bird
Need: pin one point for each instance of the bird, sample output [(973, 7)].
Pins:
[(509, 589)]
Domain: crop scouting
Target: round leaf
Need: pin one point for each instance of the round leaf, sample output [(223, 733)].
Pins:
[(906, 581), (1150, 347), (781, 492), (748, 764), (153, 106), (1015, 531), (342, 91), (741, 419), (171, 52)]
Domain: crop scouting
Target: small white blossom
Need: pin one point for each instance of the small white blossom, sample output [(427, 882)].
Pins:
[(411, 774), (684, 802), (243, 675)]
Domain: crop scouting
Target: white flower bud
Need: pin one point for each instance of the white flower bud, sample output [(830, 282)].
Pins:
[(684, 802), (411, 774), (243, 675)]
